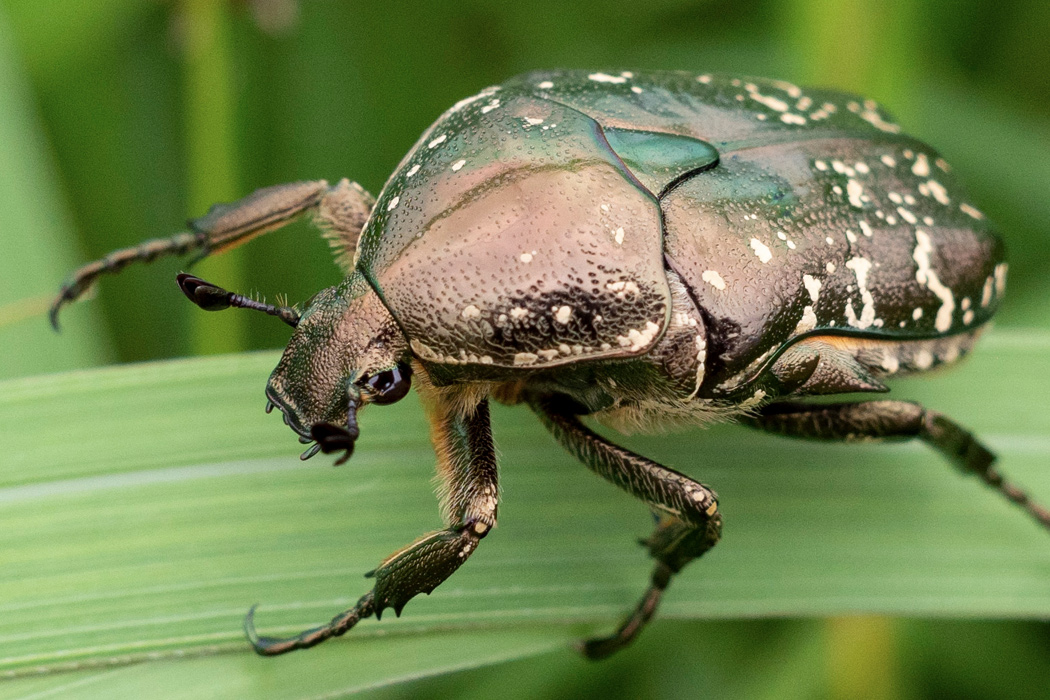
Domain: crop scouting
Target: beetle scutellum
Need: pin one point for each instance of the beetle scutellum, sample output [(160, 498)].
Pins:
[(646, 249)]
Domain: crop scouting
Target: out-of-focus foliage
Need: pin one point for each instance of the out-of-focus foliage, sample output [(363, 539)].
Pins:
[(121, 118)]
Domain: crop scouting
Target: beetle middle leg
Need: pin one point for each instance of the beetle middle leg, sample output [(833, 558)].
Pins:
[(341, 212), (867, 420), (467, 467), (689, 523)]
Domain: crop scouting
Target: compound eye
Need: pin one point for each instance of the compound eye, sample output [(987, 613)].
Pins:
[(390, 385)]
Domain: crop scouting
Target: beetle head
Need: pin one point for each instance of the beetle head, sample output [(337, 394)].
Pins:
[(345, 353)]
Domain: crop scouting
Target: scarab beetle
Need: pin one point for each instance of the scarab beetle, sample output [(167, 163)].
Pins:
[(643, 248)]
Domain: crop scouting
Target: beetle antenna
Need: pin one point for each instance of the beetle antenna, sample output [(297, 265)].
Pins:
[(214, 298)]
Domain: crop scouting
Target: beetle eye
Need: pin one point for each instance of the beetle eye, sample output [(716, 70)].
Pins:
[(389, 385)]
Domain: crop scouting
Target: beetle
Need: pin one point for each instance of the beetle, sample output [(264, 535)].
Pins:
[(641, 248)]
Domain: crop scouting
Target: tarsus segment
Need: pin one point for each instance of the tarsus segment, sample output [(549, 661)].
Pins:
[(340, 624), (84, 276)]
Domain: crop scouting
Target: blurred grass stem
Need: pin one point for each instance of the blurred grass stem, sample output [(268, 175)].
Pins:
[(203, 27)]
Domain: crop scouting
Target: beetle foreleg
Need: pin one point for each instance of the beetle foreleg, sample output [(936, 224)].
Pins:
[(867, 420), (467, 469), (340, 624), (690, 523), (467, 462)]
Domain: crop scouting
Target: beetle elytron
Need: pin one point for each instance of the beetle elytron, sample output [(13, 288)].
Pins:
[(645, 249)]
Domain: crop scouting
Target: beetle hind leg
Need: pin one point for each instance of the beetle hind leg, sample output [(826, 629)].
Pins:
[(867, 420)]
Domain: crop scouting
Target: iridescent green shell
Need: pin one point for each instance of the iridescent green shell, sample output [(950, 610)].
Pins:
[(533, 224)]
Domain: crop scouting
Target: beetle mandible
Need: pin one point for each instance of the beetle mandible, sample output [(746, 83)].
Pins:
[(643, 248)]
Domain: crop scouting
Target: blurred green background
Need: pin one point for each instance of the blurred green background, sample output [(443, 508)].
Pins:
[(121, 118)]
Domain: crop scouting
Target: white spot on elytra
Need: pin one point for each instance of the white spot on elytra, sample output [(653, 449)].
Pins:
[(434, 143), (563, 314), (854, 190), (412, 171), (808, 321), (606, 78), (519, 312), (789, 118), (907, 215), (393, 203), (861, 267), (938, 191), (1000, 278), (970, 211), (636, 340), (820, 165), (703, 79), (865, 228), (830, 267), (459, 164), (968, 316), (925, 275), (622, 289), (714, 279), (793, 91), (921, 166), (489, 107), (871, 116), (470, 312), (771, 102), (761, 250), (812, 286), (636, 90), (533, 121), (916, 313), (986, 293), (888, 161), (545, 85), (525, 257), (619, 236), (525, 358)]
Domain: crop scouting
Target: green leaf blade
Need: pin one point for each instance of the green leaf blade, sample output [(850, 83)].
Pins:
[(146, 507)]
